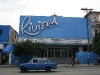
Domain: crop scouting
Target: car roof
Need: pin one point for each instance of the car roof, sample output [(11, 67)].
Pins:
[(39, 58)]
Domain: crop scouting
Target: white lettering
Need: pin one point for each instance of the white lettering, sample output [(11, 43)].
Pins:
[(54, 21), (34, 30), (42, 25)]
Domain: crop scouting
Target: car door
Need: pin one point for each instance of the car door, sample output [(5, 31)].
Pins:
[(42, 64), (34, 64)]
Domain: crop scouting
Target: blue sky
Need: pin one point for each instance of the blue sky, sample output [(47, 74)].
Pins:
[(10, 10)]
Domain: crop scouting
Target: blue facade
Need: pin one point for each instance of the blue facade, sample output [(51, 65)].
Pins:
[(68, 28), (53, 26), (82, 57), (4, 36), (19, 59)]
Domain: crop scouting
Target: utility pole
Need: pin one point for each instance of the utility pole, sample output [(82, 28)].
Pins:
[(87, 10)]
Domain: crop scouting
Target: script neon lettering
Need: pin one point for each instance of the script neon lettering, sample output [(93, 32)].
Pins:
[(34, 30)]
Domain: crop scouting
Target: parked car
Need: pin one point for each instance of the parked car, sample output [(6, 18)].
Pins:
[(38, 64)]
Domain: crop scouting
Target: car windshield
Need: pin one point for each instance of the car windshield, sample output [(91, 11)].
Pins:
[(31, 61), (47, 60)]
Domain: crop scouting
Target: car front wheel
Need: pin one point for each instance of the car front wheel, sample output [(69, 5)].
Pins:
[(48, 69), (23, 69)]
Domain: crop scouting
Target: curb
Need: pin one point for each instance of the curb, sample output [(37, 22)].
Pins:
[(79, 65), (8, 66)]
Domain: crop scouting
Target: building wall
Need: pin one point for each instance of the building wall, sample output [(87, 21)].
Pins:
[(8, 34), (54, 30), (13, 35), (53, 27), (4, 35), (95, 20)]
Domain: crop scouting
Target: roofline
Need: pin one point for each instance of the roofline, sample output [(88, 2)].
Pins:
[(91, 12)]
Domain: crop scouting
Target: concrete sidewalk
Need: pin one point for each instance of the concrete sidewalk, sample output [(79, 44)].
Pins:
[(79, 65), (8, 66)]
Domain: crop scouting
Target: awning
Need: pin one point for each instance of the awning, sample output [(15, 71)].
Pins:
[(8, 49)]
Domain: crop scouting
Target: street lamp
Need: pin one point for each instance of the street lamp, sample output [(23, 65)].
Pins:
[(87, 32)]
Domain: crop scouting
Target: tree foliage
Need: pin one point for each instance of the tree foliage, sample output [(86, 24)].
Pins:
[(29, 48), (96, 47)]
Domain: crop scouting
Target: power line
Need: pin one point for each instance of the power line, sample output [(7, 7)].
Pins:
[(97, 4), (87, 3), (92, 3)]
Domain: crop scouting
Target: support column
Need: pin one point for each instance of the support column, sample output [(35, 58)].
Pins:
[(47, 54), (54, 53), (9, 58), (44, 54), (0, 57), (68, 52), (80, 49), (60, 53)]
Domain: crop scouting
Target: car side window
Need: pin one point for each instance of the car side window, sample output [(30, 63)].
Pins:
[(35, 61), (42, 61)]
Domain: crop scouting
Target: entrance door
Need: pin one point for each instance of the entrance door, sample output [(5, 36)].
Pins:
[(57, 54), (65, 53), (51, 54)]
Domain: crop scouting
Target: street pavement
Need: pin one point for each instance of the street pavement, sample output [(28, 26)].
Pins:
[(63, 69), (59, 65)]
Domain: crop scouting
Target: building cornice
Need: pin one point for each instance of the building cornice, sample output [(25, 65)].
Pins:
[(91, 12)]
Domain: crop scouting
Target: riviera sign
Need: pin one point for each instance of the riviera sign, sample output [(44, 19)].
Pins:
[(34, 30)]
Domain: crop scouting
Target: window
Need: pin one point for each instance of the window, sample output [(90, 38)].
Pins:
[(97, 26), (42, 61), (35, 60), (51, 54), (15, 36), (96, 32), (94, 19), (0, 31)]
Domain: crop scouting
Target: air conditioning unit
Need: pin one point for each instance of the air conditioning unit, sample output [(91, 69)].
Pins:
[(1, 46)]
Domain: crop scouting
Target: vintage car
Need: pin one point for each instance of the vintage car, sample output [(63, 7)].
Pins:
[(38, 64)]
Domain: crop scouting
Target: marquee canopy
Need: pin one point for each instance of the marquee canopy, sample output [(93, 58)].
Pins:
[(8, 49)]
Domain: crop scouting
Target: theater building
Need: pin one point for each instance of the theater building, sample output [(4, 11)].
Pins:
[(63, 36)]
